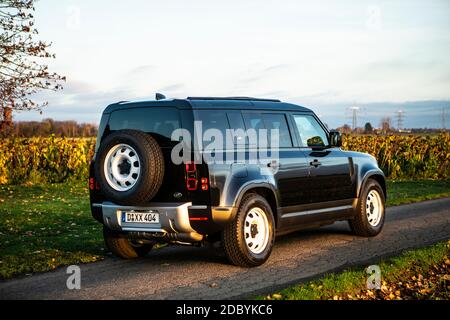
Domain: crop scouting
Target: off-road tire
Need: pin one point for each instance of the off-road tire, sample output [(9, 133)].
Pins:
[(151, 162), (360, 225), (122, 247), (233, 240)]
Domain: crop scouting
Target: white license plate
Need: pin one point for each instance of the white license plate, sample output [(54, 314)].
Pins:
[(140, 217)]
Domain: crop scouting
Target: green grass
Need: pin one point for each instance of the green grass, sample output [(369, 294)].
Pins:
[(43, 227), (351, 284), (46, 226), (402, 192)]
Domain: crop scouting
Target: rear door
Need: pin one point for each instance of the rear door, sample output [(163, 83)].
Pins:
[(159, 122), (331, 170)]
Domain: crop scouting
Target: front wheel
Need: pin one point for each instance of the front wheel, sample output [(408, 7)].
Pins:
[(369, 219), (123, 247), (249, 239)]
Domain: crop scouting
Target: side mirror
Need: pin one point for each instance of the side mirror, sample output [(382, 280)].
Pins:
[(335, 139)]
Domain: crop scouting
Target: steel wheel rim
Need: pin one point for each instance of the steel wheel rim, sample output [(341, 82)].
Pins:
[(122, 167), (374, 208), (256, 230)]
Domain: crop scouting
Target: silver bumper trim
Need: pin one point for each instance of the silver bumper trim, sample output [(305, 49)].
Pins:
[(173, 217)]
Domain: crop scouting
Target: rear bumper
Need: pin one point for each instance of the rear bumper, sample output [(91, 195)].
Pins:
[(176, 220), (173, 217)]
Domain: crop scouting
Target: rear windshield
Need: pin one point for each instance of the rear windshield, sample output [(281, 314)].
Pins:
[(161, 122)]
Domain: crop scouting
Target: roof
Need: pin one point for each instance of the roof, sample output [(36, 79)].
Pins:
[(232, 98), (238, 103)]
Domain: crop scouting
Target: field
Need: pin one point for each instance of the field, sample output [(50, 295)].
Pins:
[(49, 160), (46, 226)]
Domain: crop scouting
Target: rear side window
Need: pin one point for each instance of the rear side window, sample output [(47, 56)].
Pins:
[(237, 126), (253, 121), (159, 121), (213, 119)]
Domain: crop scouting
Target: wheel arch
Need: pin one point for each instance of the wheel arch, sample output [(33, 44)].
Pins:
[(377, 176), (263, 189)]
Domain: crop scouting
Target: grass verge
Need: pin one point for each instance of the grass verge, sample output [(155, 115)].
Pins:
[(46, 226), (416, 274), (43, 227), (402, 192)]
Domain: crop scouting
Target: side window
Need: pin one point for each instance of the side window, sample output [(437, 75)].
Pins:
[(237, 125), (270, 121), (278, 121), (213, 119), (253, 121), (310, 131)]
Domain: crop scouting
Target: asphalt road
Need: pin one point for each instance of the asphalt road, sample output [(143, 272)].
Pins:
[(202, 273)]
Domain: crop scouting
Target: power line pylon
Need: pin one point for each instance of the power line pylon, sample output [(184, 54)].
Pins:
[(443, 119), (400, 118), (355, 111)]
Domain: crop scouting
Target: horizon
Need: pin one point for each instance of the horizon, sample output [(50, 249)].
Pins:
[(360, 124), (380, 56)]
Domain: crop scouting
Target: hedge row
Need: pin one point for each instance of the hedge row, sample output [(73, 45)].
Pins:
[(52, 159)]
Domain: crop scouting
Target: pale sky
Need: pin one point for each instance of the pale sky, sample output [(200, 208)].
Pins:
[(327, 55)]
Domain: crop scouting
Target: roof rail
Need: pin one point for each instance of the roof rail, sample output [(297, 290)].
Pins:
[(232, 98)]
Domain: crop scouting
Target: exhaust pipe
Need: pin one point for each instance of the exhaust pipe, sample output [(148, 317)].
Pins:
[(177, 237)]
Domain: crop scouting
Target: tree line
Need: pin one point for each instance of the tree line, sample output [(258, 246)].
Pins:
[(46, 127)]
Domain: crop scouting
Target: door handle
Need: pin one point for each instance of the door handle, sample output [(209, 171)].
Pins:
[(315, 163)]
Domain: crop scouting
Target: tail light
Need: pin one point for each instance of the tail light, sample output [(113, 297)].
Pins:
[(192, 180), (93, 185), (191, 167), (191, 176), (205, 185), (191, 184)]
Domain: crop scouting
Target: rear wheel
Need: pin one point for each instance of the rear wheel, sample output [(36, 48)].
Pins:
[(249, 239), (369, 219), (125, 248)]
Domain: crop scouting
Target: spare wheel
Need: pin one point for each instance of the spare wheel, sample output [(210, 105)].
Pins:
[(129, 167)]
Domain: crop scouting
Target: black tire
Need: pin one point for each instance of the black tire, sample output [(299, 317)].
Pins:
[(151, 167), (233, 238), (360, 225), (123, 247)]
